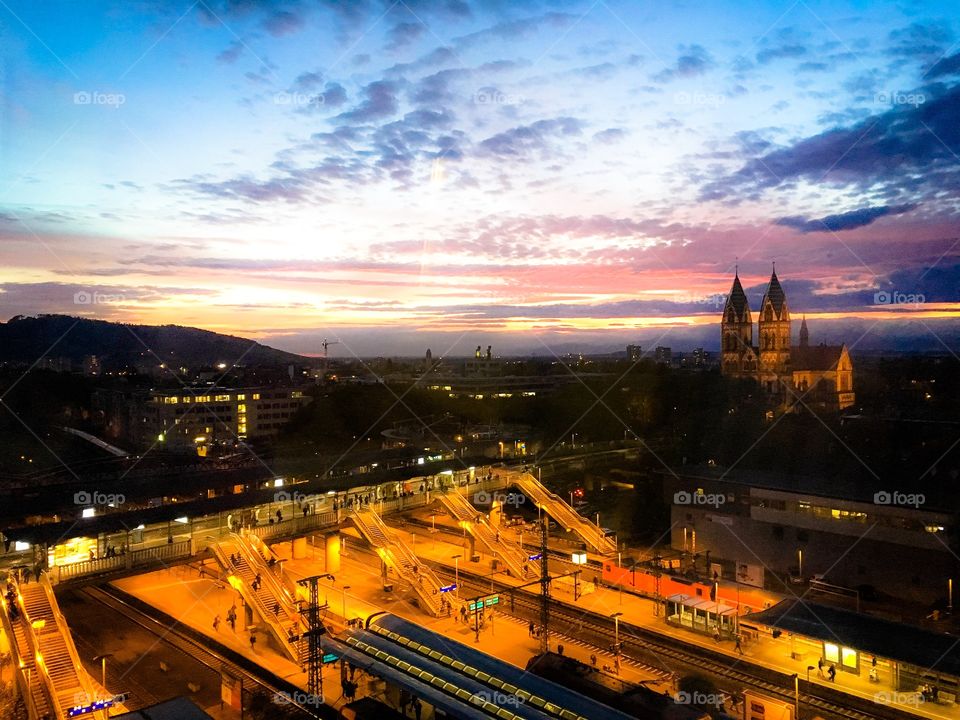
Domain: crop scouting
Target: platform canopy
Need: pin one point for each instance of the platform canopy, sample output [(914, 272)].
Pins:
[(865, 633)]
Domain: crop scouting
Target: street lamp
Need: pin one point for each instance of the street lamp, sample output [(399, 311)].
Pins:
[(345, 588), (102, 659), (456, 573), (796, 695), (616, 636), (800, 562)]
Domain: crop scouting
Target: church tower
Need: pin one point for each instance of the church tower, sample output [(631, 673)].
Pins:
[(774, 334), (736, 341)]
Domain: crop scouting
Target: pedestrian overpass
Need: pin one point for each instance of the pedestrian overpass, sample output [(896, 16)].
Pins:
[(564, 515), (52, 681)]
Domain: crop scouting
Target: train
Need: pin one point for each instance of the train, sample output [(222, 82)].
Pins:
[(644, 581)]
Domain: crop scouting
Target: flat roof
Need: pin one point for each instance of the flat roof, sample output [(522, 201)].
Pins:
[(866, 633), (702, 604)]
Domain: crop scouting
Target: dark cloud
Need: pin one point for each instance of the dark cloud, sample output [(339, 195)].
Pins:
[(920, 40), (307, 82), (283, 22), (812, 67), (526, 140), (843, 221), (380, 102), (333, 95), (768, 55), (233, 51), (907, 149), (694, 60), (946, 66), (403, 34)]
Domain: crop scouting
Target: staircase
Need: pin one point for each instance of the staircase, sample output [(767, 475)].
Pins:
[(69, 684), (470, 519), (394, 552), (284, 624), (568, 518), (25, 666)]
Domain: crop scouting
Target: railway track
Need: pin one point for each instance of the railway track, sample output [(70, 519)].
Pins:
[(203, 650), (651, 644)]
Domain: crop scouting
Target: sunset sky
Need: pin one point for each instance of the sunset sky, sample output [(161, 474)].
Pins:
[(528, 174)]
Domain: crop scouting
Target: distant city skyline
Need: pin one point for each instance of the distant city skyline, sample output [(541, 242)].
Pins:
[(526, 174)]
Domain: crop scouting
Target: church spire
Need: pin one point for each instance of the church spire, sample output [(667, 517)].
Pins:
[(804, 333)]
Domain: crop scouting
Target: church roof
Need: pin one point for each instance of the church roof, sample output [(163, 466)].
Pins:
[(818, 357), (737, 297), (775, 293)]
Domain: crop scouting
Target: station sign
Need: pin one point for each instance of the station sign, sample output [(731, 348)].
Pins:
[(449, 588), (97, 705)]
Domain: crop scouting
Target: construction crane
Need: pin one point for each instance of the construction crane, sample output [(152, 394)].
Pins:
[(325, 344)]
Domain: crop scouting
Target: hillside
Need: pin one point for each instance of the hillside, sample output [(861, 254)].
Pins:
[(117, 345)]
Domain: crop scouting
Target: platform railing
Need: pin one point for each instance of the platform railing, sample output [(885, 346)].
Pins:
[(170, 552)]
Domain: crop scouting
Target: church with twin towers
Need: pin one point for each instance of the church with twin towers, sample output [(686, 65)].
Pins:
[(818, 377)]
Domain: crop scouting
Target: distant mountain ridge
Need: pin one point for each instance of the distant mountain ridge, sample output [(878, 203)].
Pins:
[(117, 345)]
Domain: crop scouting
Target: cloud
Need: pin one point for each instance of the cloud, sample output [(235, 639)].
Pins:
[(403, 34), (536, 137), (694, 60), (515, 30), (768, 55), (920, 40), (233, 51), (380, 102), (843, 221), (906, 149), (283, 22), (610, 135), (307, 81), (946, 66)]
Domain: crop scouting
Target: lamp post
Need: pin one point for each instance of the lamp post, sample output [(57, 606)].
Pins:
[(796, 695), (456, 574), (344, 589), (800, 562), (102, 659), (616, 637)]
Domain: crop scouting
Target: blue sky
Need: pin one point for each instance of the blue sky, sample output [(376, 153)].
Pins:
[(413, 173)]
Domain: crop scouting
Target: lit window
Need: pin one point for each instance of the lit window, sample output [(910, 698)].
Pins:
[(222, 398), (256, 396), (241, 396)]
